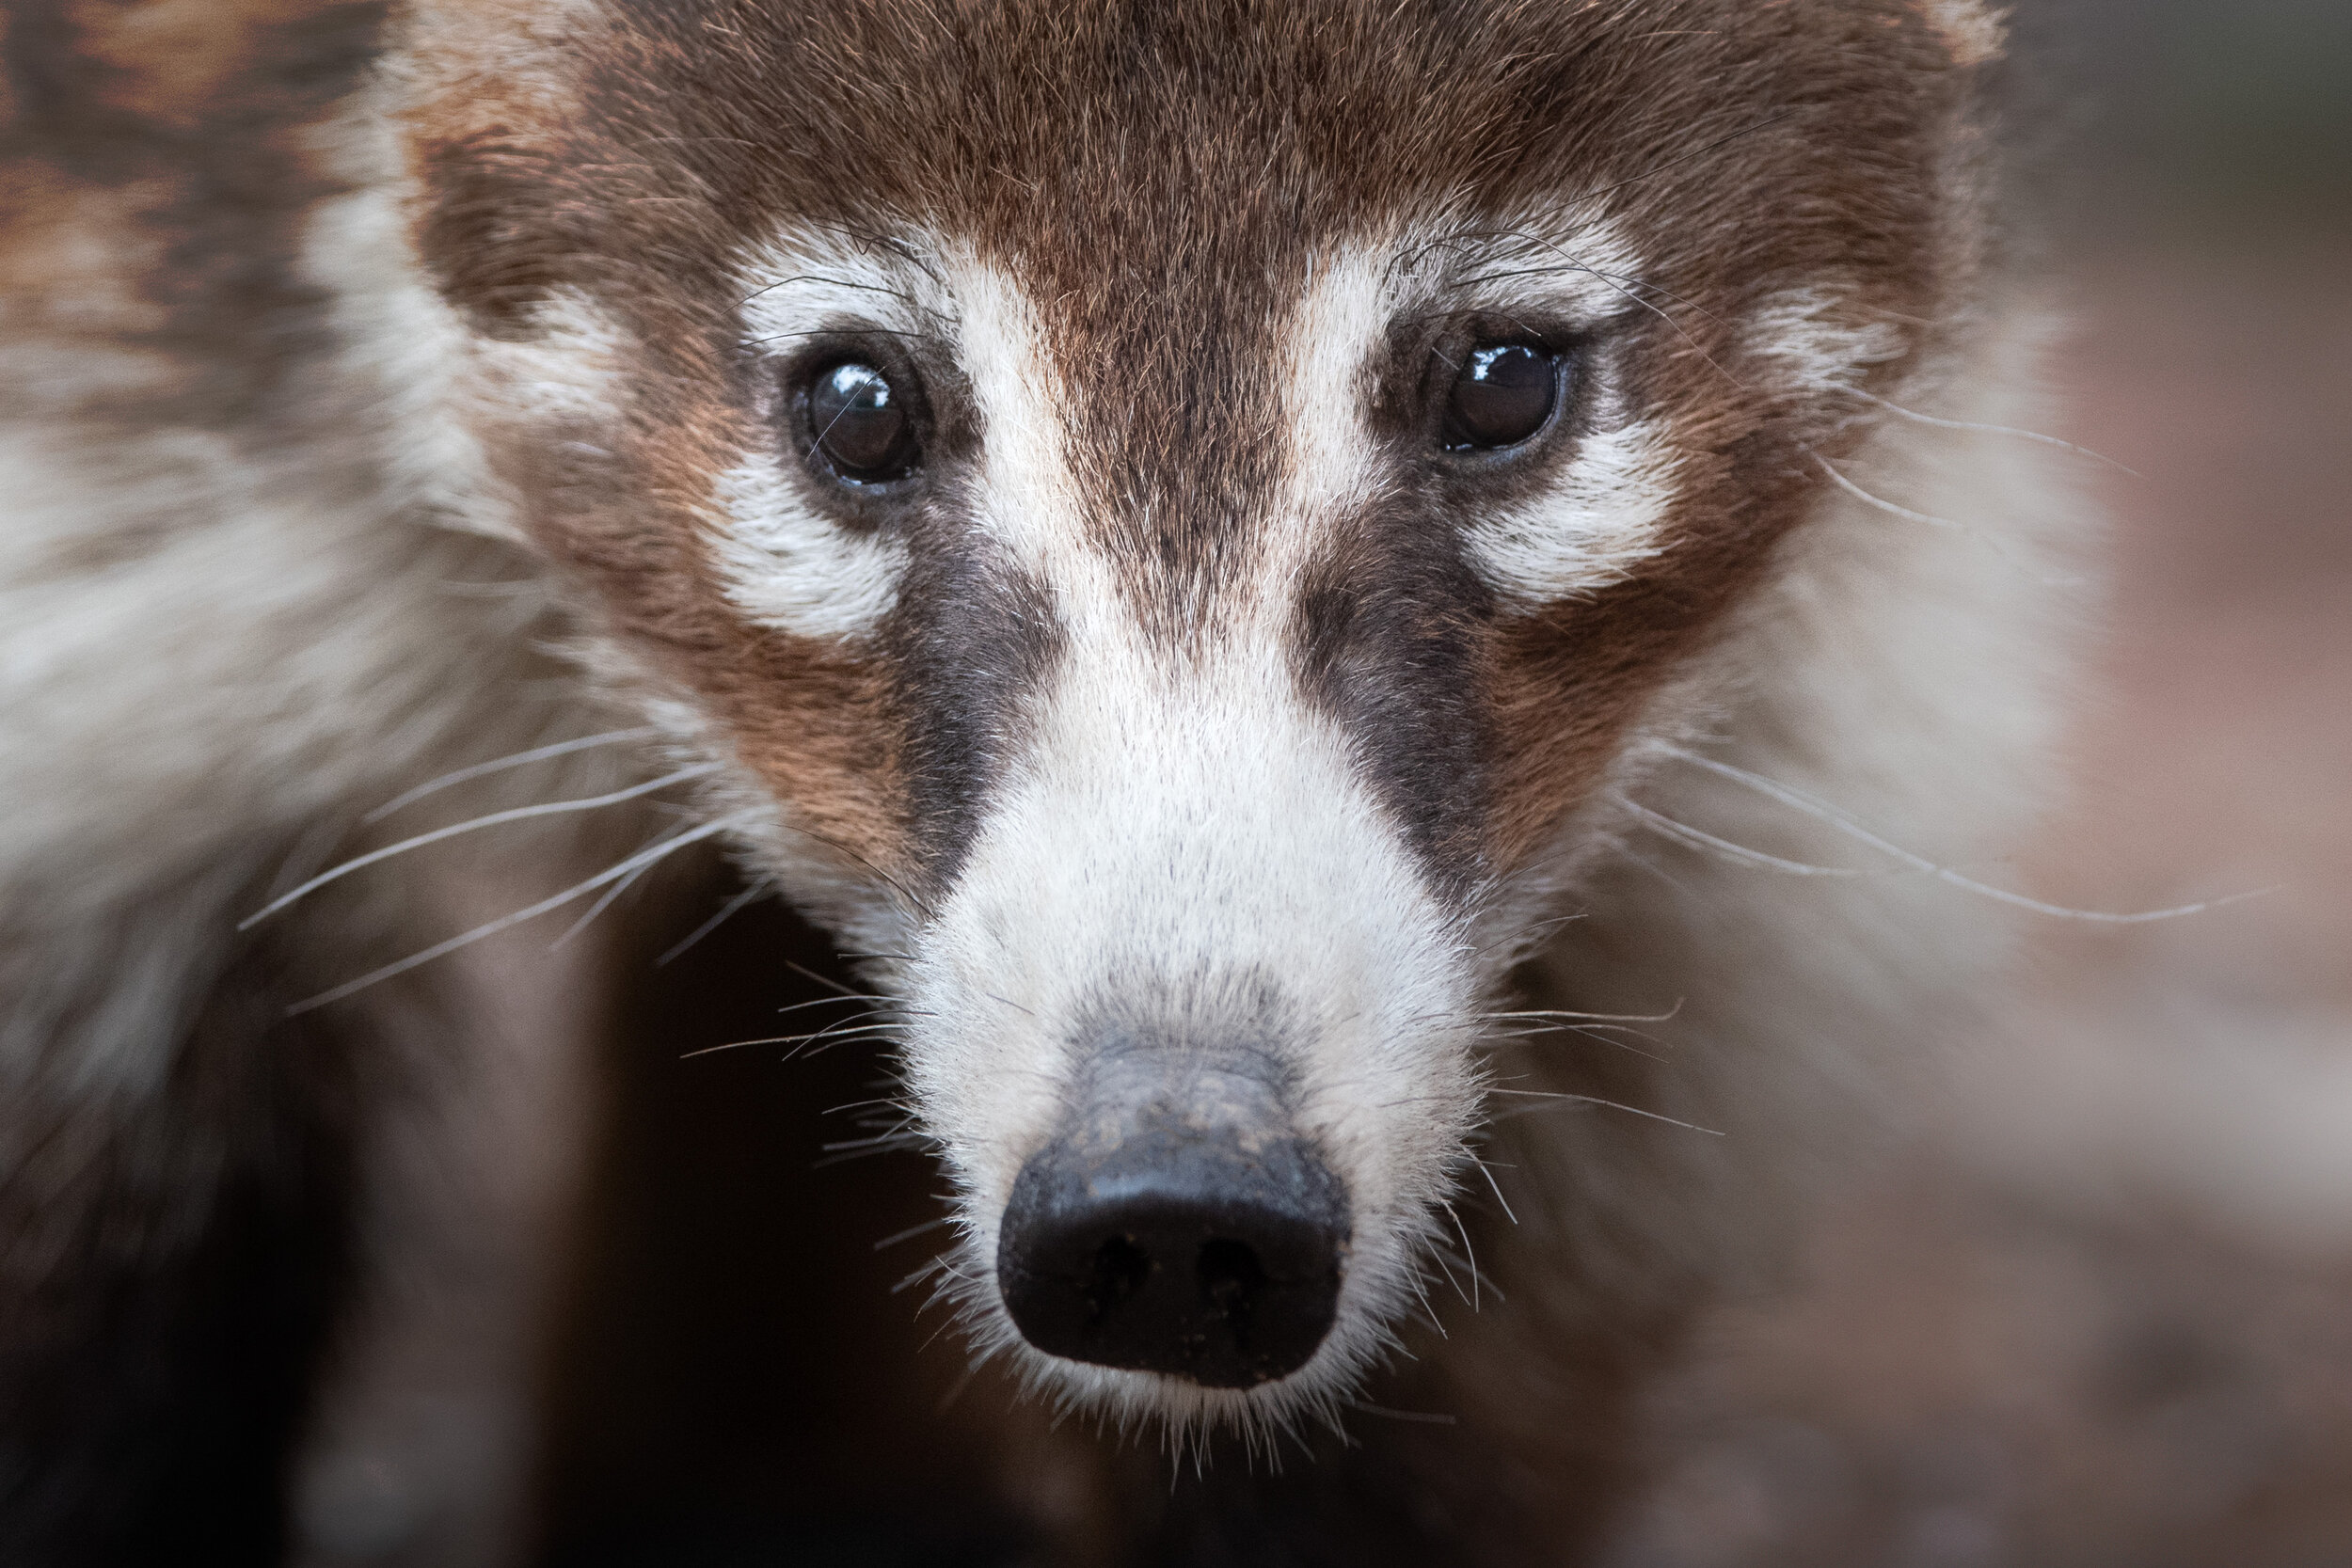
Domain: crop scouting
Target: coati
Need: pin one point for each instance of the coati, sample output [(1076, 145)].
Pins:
[(1391, 639)]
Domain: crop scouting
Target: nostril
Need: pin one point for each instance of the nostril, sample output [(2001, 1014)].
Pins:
[(1177, 1255), (1229, 1277), (1121, 1270)]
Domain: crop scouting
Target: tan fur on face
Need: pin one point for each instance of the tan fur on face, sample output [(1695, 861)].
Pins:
[(1189, 655), (1172, 319), (1139, 263)]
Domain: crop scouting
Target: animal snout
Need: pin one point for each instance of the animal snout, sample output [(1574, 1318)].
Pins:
[(1211, 1253)]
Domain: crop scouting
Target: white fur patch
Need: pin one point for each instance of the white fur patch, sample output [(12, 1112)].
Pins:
[(1604, 517), (790, 567), (1808, 334), (1029, 505), (1176, 829)]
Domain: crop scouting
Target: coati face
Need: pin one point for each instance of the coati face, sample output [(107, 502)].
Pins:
[(1170, 516)]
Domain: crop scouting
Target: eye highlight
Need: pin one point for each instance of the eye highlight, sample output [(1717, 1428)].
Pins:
[(860, 424), (1505, 393)]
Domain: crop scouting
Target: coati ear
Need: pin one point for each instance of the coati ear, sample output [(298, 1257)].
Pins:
[(1973, 32), (489, 112), (485, 230)]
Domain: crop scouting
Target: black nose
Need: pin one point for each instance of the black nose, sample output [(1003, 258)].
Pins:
[(1178, 1251)]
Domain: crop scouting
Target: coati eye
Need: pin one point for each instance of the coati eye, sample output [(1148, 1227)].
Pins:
[(1504, 395), (860, 424)]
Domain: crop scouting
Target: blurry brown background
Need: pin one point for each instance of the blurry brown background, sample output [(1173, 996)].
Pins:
[(2105, 1317)]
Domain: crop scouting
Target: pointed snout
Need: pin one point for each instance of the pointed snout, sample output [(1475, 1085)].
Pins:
[(1189, 1231)]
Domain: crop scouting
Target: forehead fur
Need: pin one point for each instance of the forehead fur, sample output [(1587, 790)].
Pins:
[(1178, 150), (1161, 175), (1160, 180)]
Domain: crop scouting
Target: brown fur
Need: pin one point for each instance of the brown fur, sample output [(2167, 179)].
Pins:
[(1158, 175), (650, 151)]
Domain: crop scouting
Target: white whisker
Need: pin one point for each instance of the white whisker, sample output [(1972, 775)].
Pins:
[(1858, 493), (1999, 547), (1822, 812), (1595, 1100), (1666, 1017), (1917, 418), (609, 874), (496, 819), (912, 1232), (726, 912), (1692, 838), (482, 770), (1496, 1187), (604, 901)]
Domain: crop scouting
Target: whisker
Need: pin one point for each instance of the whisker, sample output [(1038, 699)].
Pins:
[(892, 1102), (1589, 1031), (1579, 264), (955, 1391), (912, 1232), (827, 980), (1628, 279), (1428, 1313), (1696, 839), (921, 1275), (1831, 815), (496, 818), (1430, 1417), (1437, 1256), (1918, 417), (1595, 1100), (483, 769), (844, 1029), (835, 1001), (1470, 1258), (1667, 1016), (823, 278), (726, 912), (1999, 546), (604, 901), (891, 242), (878, 873), (1858, 493), (1532, 935), (837, 332), (503, 922), (1496, 1187), (824, 1040)]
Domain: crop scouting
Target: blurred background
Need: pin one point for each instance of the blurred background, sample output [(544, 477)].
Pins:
[(2104, 1316)]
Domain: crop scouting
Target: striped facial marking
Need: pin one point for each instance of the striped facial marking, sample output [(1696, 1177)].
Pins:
[(1231, 804), (1172, 555)]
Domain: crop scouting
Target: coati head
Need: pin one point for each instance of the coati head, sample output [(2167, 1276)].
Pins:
[(1167, 516)]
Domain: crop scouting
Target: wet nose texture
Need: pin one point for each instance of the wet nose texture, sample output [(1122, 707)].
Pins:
[(1207, 1255)]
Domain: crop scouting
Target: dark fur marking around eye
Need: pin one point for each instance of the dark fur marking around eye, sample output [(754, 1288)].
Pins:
[(1393, 640), (972, 640)]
